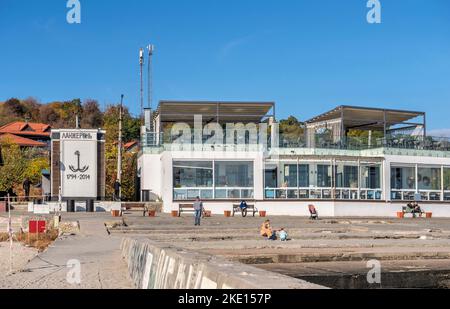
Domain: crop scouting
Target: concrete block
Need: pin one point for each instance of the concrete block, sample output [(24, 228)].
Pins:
[(69, 228), (159, 266)]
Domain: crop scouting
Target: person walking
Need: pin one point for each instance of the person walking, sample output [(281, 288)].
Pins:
[(117, 186), (26, 188), (198, 207)]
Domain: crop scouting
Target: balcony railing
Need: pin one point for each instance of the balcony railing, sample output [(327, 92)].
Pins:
[(228, 193), (346, 143), (425, 195), (322, 193)]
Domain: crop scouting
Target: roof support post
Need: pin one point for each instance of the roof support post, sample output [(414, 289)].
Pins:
[(424, 126), (342, 126)]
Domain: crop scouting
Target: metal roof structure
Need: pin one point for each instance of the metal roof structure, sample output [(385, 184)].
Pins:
[(223, 112), (367, 118)]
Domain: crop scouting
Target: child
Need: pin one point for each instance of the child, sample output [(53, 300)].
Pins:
[(283, 235)]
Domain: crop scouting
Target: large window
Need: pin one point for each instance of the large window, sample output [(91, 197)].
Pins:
[(323, 176), (311, 180), (429, 179), (303, 178), (233, 180), (425, 183), (234, 174), (403, 178), (447, 179), (346, 176), (188, 174), (192, 179), (290, 176), (270, 177), (370, 176)]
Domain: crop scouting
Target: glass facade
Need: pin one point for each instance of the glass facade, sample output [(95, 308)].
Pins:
[(192, 174), (420, 183), (220, 179), (346, 176), (370, 176), (403, 178), (290, 176), (323, 176), (303, 170), (446, 179), (429, 179), (309, 180), (212, 180), (233, 174)]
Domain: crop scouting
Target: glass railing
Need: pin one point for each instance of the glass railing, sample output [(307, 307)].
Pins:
[(319, 142), (228, 193), (425, 195), (322, 193)]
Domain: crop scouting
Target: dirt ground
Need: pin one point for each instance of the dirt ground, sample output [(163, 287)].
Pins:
[(21, 257)]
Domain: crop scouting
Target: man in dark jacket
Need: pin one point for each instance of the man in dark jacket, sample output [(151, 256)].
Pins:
[(26, 188), (117, 186)]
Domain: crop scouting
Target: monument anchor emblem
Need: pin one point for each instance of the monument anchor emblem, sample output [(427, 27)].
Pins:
[(78, 169)]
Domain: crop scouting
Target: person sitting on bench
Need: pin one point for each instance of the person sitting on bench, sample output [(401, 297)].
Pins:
[(414, 208), (267, 231), (243, 206), (417, 209), (313, 212)]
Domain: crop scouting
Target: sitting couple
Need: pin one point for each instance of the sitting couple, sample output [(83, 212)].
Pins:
[(414, 208), (271, 234)]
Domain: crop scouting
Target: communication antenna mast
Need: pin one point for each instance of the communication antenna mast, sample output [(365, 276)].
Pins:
[(151, 49), (141, 64), (119, 147)]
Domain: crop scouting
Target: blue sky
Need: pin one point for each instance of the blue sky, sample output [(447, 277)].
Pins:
[(307, 55)]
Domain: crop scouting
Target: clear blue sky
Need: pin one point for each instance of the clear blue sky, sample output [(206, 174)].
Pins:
[(306, 55)]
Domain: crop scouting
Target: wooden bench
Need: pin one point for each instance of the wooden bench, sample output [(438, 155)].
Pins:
[(185, 208), (250, 207), (189, 208), (135, 207), (407, 210)]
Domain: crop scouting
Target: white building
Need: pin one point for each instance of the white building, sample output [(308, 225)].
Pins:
[(226, 152)]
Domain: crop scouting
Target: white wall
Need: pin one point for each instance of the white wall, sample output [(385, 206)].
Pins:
[(157, 177), (325, 208)]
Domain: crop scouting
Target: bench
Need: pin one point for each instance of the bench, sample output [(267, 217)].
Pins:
[(237, 209), (135, 207), (185, 208), (407, 210), (189, 208)]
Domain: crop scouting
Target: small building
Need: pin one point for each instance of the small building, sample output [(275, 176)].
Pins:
[(132, 147), (351, 161), (27, 134), (21, 141)]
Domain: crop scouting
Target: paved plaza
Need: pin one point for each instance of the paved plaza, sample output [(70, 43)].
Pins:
[(332, 251)]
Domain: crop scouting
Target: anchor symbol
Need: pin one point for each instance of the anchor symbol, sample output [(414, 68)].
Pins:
[(81, 170)]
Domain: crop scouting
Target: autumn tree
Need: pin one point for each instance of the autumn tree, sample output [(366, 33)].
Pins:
[(130, 131), (13, 167), (91, 117)]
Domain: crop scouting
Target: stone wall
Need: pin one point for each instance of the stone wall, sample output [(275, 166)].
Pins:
[(158, 266)]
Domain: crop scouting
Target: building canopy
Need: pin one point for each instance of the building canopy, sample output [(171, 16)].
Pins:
[(221, 112), (365, 118)]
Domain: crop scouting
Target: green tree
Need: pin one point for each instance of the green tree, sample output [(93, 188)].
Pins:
[(130, 131), (13, 167), (291, 129)]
